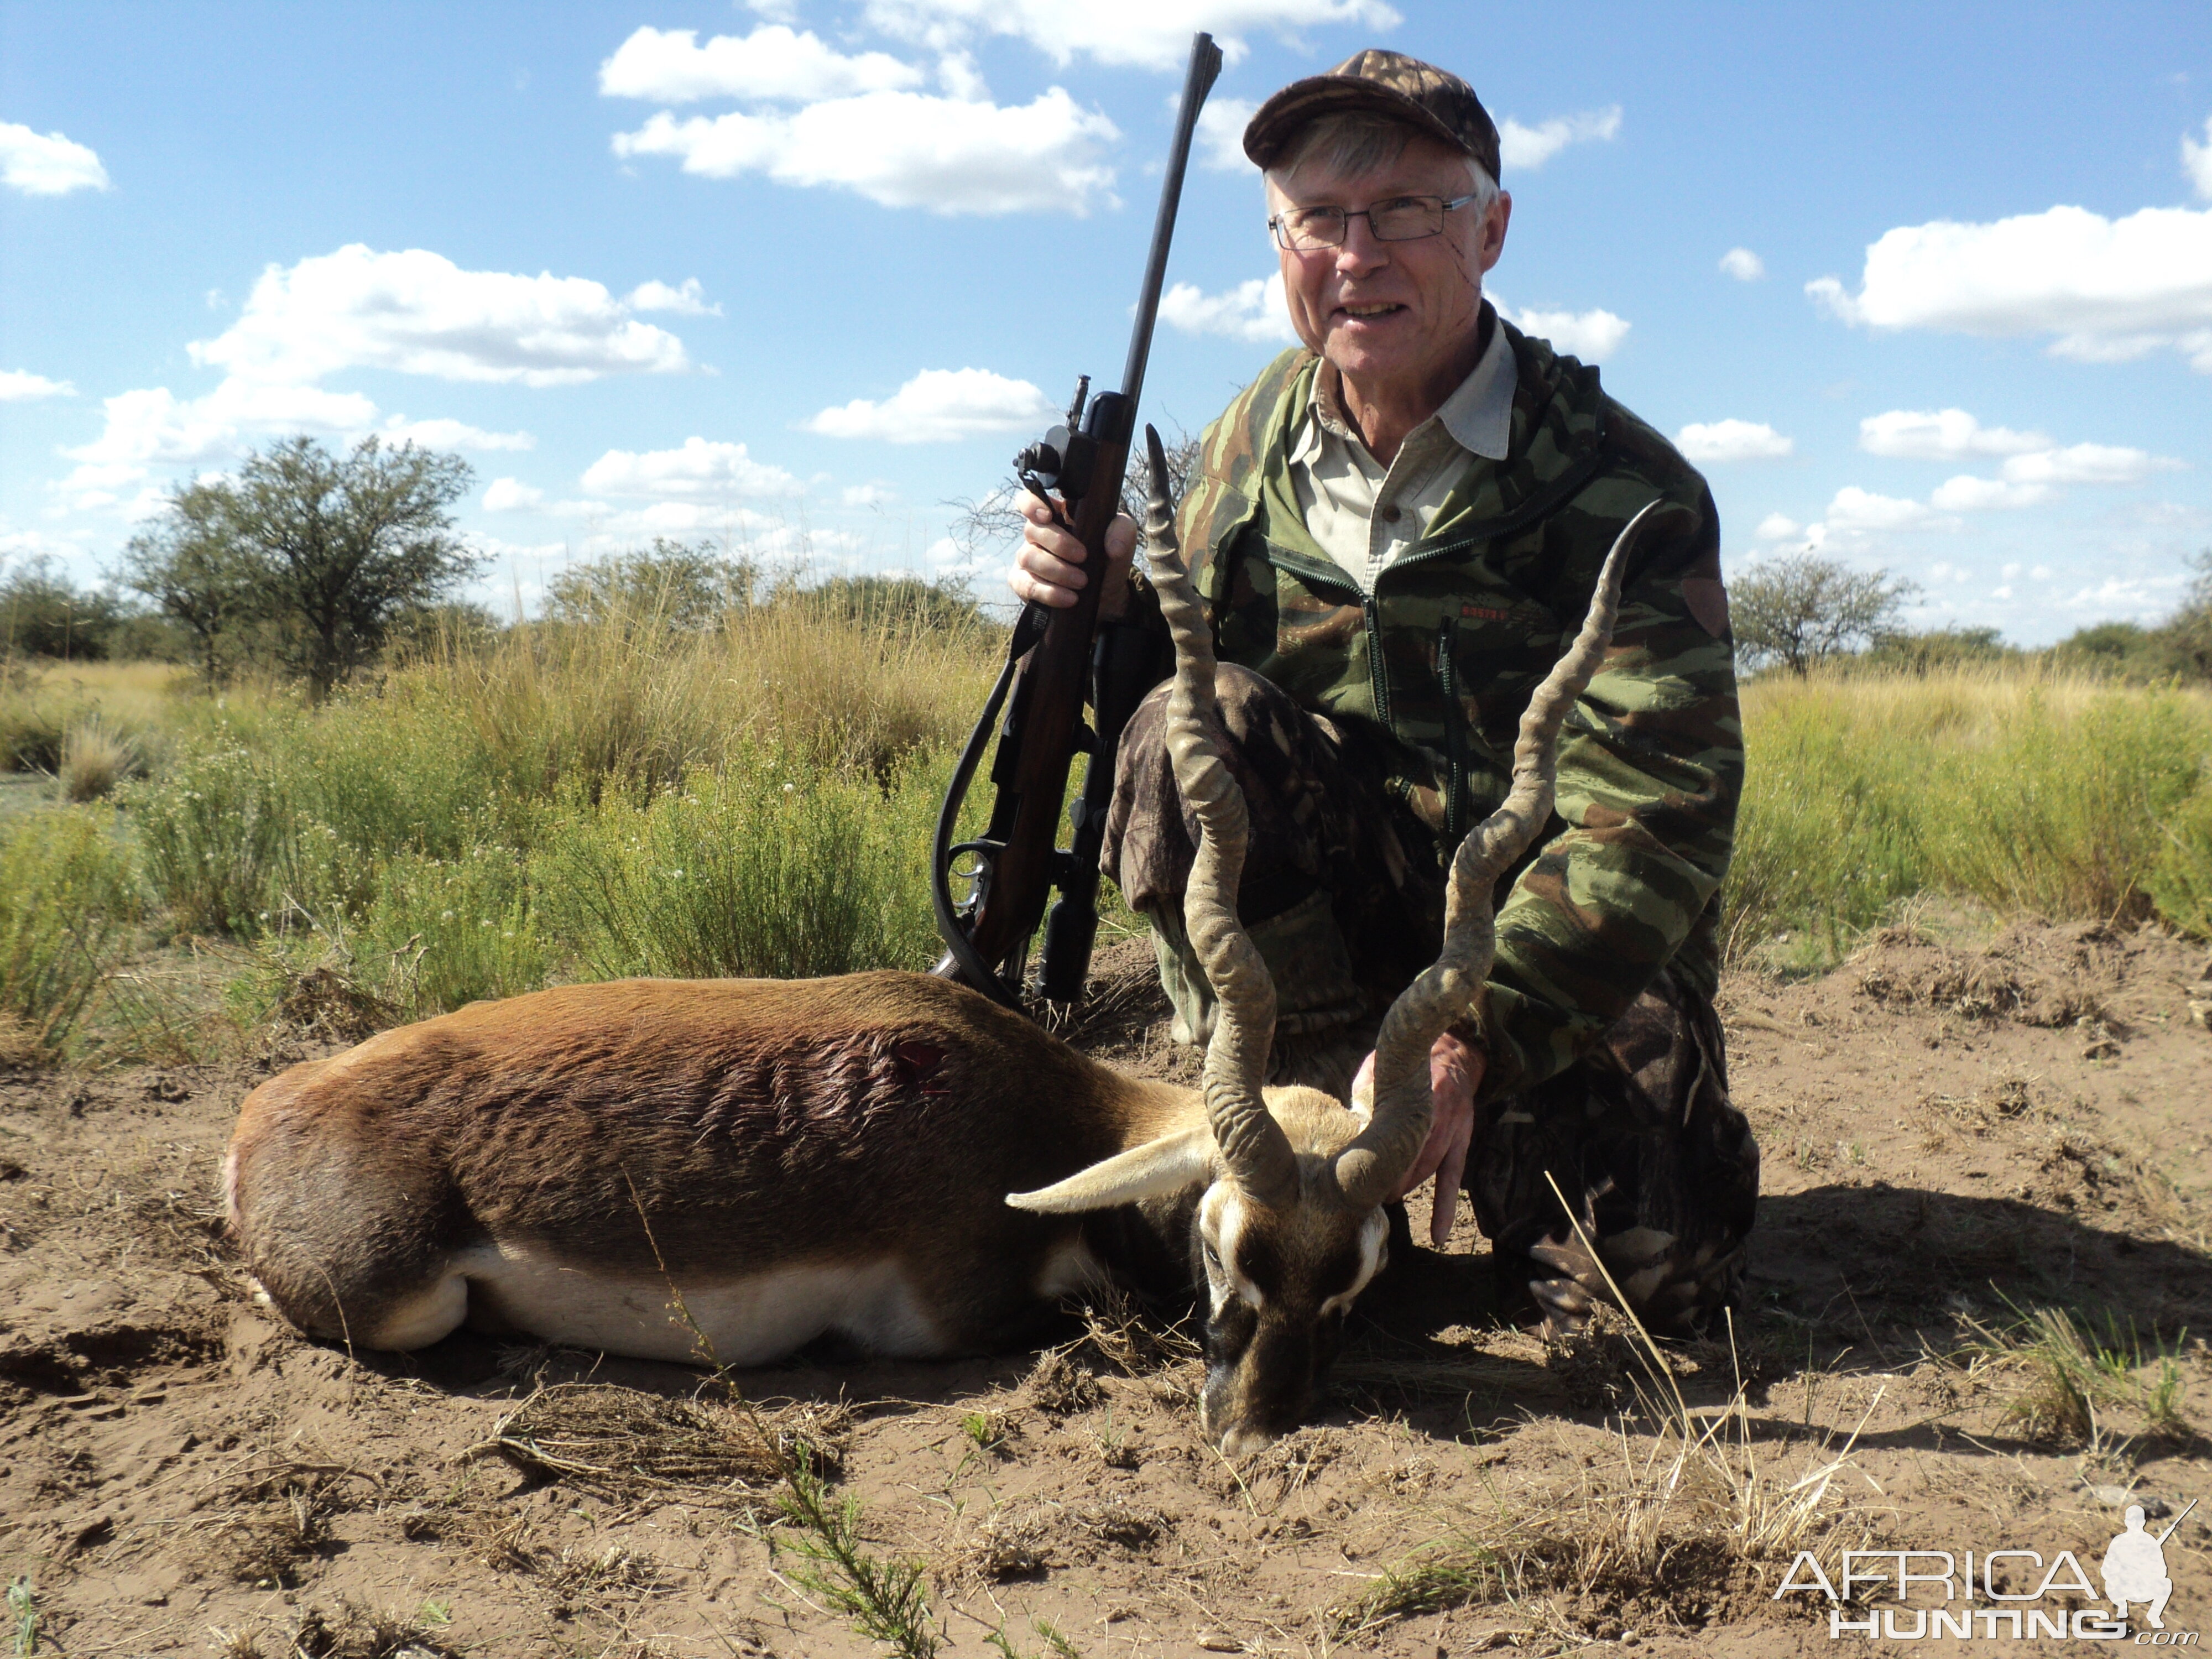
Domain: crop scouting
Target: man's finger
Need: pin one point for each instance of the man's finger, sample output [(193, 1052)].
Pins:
[(1449, 1173), (1444, 1209)]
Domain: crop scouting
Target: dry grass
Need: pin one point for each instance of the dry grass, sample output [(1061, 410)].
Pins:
[(1677, 1527), (2061, 795), (628, 703), (95, 756), (2074, 1379), (625, 1446)]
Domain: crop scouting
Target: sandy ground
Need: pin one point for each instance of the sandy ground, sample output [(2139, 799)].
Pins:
[(1958, 1129)]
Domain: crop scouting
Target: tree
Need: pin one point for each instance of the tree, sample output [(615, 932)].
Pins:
[(1801, 609), (684, 587), (318, 555), (191, 567), (2189, 634), (44, 614), (348, 544)]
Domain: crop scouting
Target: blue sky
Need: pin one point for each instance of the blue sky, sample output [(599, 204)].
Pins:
[(1927, 288)]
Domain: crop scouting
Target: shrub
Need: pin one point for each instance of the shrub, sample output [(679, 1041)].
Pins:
[(210, 835), (31, 732), (441, 934), (65, 907)]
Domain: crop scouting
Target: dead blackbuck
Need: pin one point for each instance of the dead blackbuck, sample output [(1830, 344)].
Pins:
[(723, 1170)]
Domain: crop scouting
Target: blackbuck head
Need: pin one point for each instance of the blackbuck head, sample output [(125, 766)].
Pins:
[(1288, 1228)]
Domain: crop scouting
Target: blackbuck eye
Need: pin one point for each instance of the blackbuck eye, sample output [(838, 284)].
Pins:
[(1212, 1256)]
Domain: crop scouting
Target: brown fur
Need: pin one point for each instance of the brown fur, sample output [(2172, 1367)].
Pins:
[(651, 1123)]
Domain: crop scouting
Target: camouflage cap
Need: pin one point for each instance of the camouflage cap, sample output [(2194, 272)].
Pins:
[(1431, 100)]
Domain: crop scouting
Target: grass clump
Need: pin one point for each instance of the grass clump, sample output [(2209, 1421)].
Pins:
[(65, 911), (2078, 1373), (95, 756), (771, 868), (210, 834)]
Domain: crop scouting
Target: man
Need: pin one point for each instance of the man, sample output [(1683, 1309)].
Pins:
[(1396, 529), (2133, 1569)]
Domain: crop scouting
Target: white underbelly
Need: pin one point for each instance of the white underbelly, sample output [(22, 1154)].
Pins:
[(750, 1320)]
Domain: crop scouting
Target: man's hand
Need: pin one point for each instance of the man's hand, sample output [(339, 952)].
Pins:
[(1455, 1073), (1049, 564)]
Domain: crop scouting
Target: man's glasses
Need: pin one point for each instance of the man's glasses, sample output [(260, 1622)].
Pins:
[(1400, 219)]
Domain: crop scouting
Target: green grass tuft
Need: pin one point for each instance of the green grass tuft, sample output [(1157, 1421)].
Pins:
[(65, 910)]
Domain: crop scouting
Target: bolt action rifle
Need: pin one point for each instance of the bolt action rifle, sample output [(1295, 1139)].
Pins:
[(1012, 867)]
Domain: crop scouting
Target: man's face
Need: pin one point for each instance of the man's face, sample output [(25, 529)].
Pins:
[(1395, 317)]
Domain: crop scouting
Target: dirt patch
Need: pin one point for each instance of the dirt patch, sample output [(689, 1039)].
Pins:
[(1978, 1287)]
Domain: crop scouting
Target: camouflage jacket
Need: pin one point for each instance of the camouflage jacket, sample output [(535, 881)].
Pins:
[(1438, 663)]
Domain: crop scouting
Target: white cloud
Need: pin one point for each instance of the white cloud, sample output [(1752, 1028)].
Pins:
[(420, 313), (2143, 598), (48, 166), (511, 495), (2091, 464), (2108, 289), (1253, 310), (20, 385), (1531, 147), (1155, 35), (1592, 336), (700, 470), (690, 300), (939, 405), (1941, 434), (1220, 140), (1854, 508), (906, 149), (443, 433), (1778, 527), (1732, 441), (1967, 494), (1743, 265), (2033, 466), (2196, 161), (668, 66), (872, 495), (153, 426)]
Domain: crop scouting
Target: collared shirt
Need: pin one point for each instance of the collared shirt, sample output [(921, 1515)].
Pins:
[(1366, 515)]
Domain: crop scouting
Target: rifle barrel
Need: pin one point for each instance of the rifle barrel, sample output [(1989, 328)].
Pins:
[(1205, 69)]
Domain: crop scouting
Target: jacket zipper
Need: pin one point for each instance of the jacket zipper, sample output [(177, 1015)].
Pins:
[(1378, 673)]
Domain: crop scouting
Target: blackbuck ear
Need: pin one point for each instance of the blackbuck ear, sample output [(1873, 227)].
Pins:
[(1166, 1165)]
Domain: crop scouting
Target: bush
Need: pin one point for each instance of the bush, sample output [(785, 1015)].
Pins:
[(210, 835), (672, 586), (65, 908), (31, 732), (441, 934), (771, 869)]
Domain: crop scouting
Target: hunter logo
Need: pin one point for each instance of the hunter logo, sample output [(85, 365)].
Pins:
[(1980, 1600)]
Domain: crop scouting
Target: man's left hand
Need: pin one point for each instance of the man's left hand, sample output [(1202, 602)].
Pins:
[(1455, 1073)]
